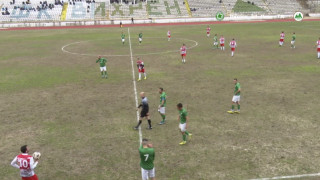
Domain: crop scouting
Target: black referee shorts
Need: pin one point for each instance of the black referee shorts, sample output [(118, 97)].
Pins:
[(143, 113)]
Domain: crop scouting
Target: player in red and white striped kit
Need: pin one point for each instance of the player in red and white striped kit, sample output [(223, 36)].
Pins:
[(183, 52), (233, 45), (208, 31), (169, 35), (140, 66), (318, 48), (282, 35), (222, 43), (26, 164)]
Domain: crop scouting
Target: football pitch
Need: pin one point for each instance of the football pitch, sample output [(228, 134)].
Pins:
[(53, 98)]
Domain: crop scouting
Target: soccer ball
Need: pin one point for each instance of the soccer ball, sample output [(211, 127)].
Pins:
[(36, 155)]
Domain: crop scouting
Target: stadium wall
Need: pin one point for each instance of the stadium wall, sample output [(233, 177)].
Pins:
[(142, 21), (314, 14)]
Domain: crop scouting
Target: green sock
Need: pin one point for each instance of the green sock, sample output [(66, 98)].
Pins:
[(232, 107), (184, 137), (163, 117), (238, 106), (187, 133), (101, 73), (105, 73)]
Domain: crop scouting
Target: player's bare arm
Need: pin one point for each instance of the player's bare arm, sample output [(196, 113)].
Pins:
[(187, 122), (238, 91)]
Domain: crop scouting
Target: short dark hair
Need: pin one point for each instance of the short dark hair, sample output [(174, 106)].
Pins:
[(179, 105), (235, 79), (161, 88), (23, 148), (145, 142)]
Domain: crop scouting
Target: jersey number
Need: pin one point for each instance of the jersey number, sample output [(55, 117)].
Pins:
[(23, 163), (147, 156)]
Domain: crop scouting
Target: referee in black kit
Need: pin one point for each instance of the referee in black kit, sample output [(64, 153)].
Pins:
[(144, 111)]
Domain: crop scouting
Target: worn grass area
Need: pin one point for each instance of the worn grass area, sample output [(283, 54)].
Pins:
[(57, 104)]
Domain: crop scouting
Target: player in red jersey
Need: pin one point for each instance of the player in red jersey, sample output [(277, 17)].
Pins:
[(222, 42), (140, 66), (282, 35), (183, 52), (208, 31), (318, 48), (169, 35), (26, 164), (233, 45)]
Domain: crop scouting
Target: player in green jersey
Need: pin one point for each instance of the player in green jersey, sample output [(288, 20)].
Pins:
[(140, 38), (215, 41), (236, 97), (162, 106), (123, 38), (103, 67), (183, 123), (293, 40), (147, 156)]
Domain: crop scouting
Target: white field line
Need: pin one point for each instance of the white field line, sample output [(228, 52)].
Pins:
[(119, 55), (290, 177), (134, 85)]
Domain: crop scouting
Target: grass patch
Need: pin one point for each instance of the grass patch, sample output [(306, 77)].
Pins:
[(242, 6)]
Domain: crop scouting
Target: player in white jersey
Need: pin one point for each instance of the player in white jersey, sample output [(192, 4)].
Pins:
[(26, 164), (208, 31), (222, 42), (318, 48), (169, 35), (282, 35), (233, 45)]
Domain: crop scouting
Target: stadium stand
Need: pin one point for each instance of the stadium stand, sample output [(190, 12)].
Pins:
[(73, 10), (210, 8), (206, 8), (121, 11), (151, 9), (20, 10), (283, 6), (314, 6)]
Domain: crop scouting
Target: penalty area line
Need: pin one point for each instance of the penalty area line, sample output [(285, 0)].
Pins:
[(289, 177), (134, 85)]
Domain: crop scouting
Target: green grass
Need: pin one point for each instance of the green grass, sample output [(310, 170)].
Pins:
[(57, 103), (242, 6)]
